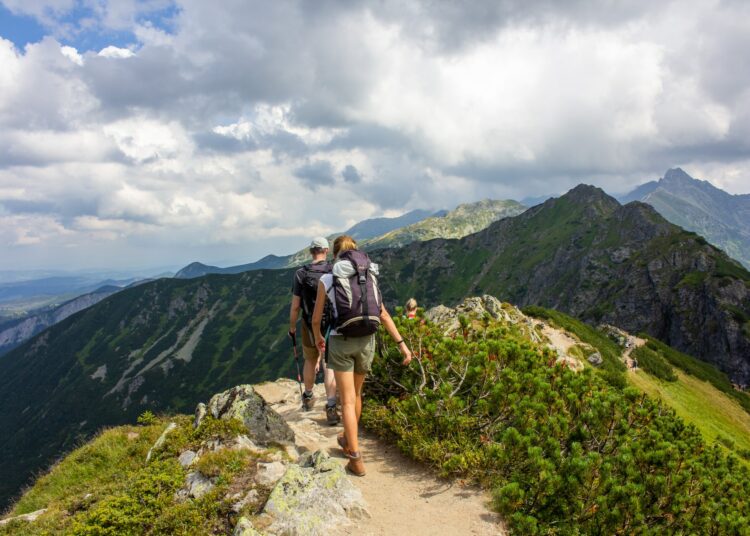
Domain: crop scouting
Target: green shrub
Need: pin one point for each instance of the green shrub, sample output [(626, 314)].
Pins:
[(562, 452), (147, 418), (652, 362)]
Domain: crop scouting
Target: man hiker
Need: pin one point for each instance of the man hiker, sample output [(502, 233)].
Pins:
[(304, 292)]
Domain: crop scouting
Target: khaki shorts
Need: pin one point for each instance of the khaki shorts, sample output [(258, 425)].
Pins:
[(347, 354), (308, 344)]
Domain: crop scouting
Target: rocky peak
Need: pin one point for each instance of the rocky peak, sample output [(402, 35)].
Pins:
[(677, 175), (591, 197)]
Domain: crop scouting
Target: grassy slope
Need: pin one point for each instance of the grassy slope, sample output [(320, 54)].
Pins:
[(702, 395), (698, 402)]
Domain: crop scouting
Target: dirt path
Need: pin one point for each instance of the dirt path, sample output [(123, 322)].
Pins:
[(403, 496)]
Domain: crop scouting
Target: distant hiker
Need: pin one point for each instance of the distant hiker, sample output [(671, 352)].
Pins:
[(411, 308), (358, 311), (304, 293)]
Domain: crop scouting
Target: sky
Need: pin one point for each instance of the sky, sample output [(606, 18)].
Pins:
[(138, 133)]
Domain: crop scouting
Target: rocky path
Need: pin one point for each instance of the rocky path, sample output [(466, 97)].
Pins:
[(403, 497)]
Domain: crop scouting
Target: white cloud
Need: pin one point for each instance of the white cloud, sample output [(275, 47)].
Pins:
[(115, 52), (232, 131)]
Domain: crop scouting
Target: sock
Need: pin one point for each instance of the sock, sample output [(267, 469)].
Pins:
[(308, 394), (331, 401)]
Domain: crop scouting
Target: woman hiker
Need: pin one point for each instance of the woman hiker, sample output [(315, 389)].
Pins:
[(350, 356)]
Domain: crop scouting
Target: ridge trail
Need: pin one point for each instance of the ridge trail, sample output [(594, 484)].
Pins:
[(403, 496)]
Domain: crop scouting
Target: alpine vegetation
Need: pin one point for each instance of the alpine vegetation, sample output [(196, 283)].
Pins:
[(563, 452)]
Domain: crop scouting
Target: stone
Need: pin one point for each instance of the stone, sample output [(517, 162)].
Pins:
[(249, 498), (200, 413), (159, 442), (595, 359), (242, 442), (31, 516), (196, 486), (269, 473), (314, 497), (187, 458), (263, 424), (245, 528)]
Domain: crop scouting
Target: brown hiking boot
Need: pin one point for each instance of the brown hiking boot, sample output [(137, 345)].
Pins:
[(332, 416), (307, 401), (355, 466)]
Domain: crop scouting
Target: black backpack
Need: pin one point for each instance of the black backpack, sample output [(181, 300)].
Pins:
[(311, 274), (358, 297)]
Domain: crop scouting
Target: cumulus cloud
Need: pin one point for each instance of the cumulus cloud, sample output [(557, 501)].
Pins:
[(236, 129)]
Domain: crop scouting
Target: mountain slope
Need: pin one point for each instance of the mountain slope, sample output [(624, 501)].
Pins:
[(14, 333), (587, 255), (721, 218)]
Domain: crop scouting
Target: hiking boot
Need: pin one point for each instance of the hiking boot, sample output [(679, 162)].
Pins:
[(356, 466), (307, 401), (332, 416)]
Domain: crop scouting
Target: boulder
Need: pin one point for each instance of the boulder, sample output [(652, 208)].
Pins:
[(263, 424), (595, 359), (269, 473), (187, 458), (314, 497)]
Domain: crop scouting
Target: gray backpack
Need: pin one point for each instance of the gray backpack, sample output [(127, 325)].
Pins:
[(357, 297)]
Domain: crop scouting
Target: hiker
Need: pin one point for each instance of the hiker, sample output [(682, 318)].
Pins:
[(358, 310), (304, 292), (411, 308)]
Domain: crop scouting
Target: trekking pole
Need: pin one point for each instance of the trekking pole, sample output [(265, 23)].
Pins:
[(296, 361)]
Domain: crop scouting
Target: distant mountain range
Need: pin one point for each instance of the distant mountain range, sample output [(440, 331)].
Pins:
[(721, 218), (169, 343), (387, 232)]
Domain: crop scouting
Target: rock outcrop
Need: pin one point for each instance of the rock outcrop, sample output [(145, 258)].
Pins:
[(241, 402)]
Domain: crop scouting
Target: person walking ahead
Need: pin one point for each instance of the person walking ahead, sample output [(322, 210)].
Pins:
[(358, 310), (304, 292)]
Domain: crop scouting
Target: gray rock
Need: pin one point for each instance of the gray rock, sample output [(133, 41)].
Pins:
[(245, 528), (269, 473), (263, 424), (595, 359), (31, 516), (200, 412), (187, 458), (313, 497), (196, 486), (249, 498), (159, 442)]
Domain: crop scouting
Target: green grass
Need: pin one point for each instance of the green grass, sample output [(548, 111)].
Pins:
[(97, 465), (698, 402), (700, 370)]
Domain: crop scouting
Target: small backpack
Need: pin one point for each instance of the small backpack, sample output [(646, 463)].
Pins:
[(310, 277), (357, 297)]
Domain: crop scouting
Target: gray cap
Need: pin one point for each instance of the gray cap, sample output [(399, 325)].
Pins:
[(319, 242)]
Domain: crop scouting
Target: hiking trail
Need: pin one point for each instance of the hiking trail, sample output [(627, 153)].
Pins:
[(403, 496)]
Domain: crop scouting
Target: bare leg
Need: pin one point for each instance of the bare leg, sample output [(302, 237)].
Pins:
[(308, 374), (345, 383), (330, 382), (359, 381)]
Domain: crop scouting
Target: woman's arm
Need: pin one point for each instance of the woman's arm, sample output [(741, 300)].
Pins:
[(317, 316), (390, 327)]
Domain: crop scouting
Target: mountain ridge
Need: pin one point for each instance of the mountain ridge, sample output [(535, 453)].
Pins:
[(165, 344), (698, 206)]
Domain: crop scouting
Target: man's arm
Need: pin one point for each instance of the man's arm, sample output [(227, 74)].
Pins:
[(294, 314), (317, 316)]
